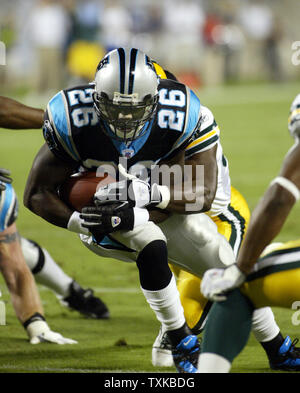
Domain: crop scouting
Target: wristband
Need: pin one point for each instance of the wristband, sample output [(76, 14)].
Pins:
[(35, 317), (288, 185), (75, 224), (141, 216)]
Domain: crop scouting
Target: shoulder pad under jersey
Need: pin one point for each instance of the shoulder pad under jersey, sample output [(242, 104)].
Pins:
[(67, 112), (294, 117)]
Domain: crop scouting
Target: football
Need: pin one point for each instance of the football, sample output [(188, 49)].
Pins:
[(78, 191)]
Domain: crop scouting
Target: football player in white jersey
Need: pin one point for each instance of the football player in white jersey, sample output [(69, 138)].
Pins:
[(14, 115), (268, 275), (129, 115)]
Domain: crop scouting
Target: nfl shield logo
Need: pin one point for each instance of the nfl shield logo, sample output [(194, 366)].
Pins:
[(115, 221), (128, 153)]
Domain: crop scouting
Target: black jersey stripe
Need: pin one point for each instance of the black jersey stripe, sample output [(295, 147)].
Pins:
[(238, 225), (266, 271), (133, 56), (121, 52), (197, 329), (280, 252)]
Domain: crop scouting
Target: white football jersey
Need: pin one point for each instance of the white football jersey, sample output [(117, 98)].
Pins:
[(209, 136)]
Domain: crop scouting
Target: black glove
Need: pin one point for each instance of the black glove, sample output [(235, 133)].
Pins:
[(107, 218), (4, 178)]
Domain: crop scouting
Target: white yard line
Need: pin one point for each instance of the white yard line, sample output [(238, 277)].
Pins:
[(70, 370), (96, 290)]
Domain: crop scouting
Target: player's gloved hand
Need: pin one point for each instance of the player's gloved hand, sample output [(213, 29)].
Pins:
[(216, 282), (39, 332), (4, 178), (133, 192), (114, 217)]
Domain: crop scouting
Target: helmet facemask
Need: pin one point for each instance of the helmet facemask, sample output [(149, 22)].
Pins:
[(125, 114)]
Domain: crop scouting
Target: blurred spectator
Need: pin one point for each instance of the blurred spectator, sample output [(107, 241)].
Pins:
[(49, 26), (146, 27), (258, 22), (190, 37), (183, 24), (229, 38), (86, 19), (212, 21), (272, 52), (116, 25)]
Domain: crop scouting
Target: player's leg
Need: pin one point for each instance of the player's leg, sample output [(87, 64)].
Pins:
[(232, 224), (195, 231), (48, 273), (149, 250), (195, 245), (207, 249), (18, 278), (275, 281), (233, 317), (159, 288)]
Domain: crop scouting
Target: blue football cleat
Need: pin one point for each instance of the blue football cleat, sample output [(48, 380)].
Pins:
[(288, 358), (186, 355)]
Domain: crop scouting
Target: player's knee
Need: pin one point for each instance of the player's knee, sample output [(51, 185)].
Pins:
[(152, 263), (32, 252)]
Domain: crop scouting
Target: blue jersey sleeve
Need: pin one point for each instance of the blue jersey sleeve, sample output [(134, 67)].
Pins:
[(192, 120), (57, 130)]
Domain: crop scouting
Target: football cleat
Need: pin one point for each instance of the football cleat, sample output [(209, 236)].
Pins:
[(186, 355), (162, 350), (84, 301), (288, 358)]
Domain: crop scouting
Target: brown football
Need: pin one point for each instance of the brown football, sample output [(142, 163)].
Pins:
[(78, 191)]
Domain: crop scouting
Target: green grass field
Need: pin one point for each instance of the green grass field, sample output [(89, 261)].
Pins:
[(253, 122)]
